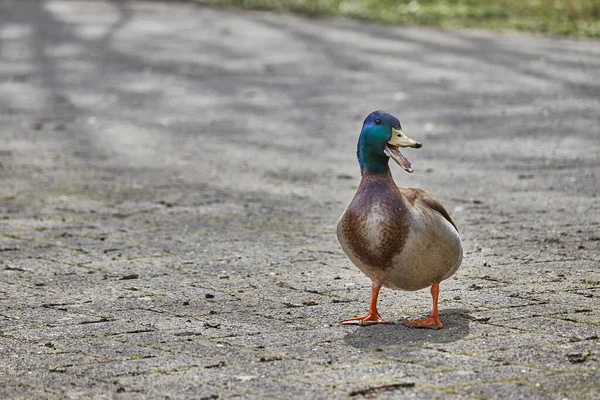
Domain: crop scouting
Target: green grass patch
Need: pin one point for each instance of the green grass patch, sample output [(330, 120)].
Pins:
[(591, 282), (11, 236), (580, 18)]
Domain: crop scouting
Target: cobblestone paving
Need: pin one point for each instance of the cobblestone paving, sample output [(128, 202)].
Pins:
[(171, 176)]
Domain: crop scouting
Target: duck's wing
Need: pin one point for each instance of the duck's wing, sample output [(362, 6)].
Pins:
[(429, 200)]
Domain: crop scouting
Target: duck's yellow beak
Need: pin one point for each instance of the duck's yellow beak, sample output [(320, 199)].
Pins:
[(399, 139)]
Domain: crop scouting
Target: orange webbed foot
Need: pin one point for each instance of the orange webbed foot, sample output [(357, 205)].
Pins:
[(369, 319), (373, 316), (427, 323), (433, 322)]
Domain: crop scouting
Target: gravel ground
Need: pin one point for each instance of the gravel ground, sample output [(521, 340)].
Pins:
[(171, 176)]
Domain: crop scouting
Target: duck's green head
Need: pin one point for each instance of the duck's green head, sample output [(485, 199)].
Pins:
[(380, 138)]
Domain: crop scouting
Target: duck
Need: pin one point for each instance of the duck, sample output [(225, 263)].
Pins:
[(400, 238)]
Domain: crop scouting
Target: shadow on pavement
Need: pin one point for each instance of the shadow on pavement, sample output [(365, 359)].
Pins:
[(456, 326)]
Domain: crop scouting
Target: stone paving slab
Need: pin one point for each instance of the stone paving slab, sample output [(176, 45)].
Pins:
[(171, 176)]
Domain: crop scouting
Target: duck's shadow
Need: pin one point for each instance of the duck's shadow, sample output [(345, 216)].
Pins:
[(456, 326)]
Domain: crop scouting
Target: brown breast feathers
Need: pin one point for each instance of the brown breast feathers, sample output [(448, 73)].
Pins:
[(375, 225)]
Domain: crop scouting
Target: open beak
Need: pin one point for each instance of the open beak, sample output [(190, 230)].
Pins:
[(399, 139)]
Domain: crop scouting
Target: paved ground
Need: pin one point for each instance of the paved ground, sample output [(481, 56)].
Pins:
[(171, 177)]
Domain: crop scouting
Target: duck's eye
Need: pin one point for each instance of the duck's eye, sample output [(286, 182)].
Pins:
[(377, 121)]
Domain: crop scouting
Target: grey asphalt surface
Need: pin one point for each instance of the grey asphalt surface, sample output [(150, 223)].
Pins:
[(171, 176)]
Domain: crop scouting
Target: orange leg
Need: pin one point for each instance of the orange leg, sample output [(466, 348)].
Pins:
[(373, 317), (433, 322)]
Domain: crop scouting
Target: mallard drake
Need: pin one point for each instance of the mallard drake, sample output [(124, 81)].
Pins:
[(401, 238)]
